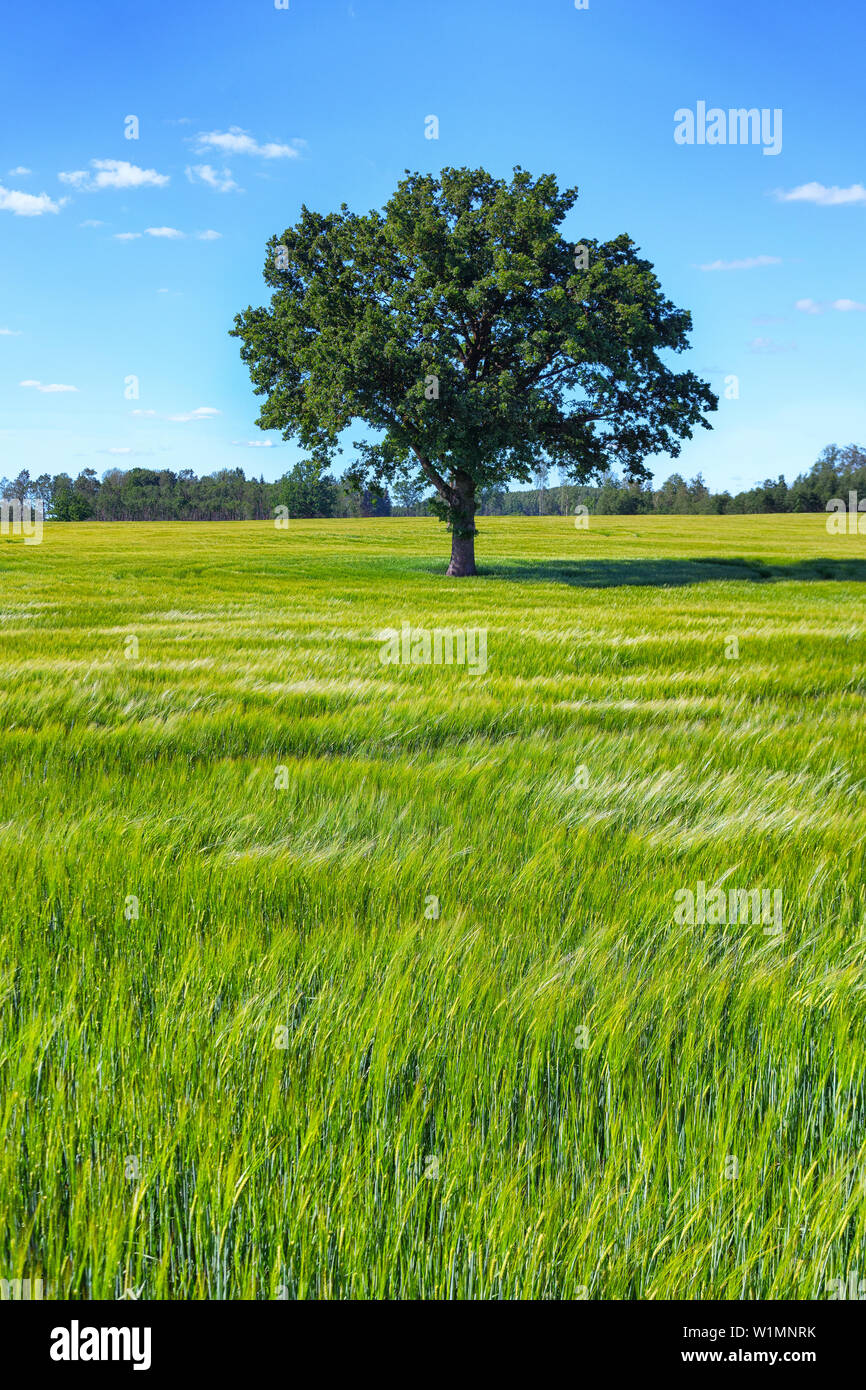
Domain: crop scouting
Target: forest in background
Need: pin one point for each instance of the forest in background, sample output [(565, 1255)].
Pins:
[(145, 494)]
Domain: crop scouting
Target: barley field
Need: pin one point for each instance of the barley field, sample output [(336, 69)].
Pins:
[(328, 978)]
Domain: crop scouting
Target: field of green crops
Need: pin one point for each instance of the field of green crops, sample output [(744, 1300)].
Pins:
[(324, 978)]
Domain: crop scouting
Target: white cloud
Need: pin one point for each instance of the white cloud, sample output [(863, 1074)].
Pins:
[(222, 181), (28, 204), (91, 222), (255, 443), (10, 332), (201, 412), (37, 385), (750, 263), (113, 173), (167, 234), (823, 196), (238, 141), (842, 306), (19, 172), (126, 451)]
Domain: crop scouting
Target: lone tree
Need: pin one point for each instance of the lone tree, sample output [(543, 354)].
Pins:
[(474, 340)]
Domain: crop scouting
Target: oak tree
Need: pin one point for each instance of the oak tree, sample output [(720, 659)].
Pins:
[(474, 340)]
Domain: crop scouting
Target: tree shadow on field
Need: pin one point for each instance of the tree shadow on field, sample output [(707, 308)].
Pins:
[(668, 573)]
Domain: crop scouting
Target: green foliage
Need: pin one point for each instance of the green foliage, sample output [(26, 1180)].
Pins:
[(460, 326), (306, 491), (68, 504), (145, 494)]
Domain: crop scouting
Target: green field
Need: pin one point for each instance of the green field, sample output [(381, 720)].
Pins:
[(241, 1055)]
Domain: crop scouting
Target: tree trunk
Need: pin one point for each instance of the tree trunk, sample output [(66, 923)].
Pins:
[(462, 556), (462, 527)]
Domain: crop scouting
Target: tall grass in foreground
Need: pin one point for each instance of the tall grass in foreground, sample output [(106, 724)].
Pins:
[(240, 1054)]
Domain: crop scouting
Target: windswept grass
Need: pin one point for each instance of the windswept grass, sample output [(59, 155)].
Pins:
[(286, 1076)]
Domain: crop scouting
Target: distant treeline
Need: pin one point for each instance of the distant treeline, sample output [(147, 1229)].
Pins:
[(144, 494), (836, 473)]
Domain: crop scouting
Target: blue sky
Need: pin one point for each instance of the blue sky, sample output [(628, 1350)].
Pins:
[(118, 262)]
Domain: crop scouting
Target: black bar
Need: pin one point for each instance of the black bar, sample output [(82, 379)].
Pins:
[(229, 1339)]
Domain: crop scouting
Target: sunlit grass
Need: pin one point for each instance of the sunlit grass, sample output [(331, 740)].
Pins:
[(285, 1076)]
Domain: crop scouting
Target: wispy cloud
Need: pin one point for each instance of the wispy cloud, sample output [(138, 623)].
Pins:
[(28, 204), (841, 306), (749, 263), (254, 443), (201, 412), (125, 451), (19, 172), (49, 390), (823, 196), (768, 345), (220, 180), (168, 234), (112, 173), (10, 332), (238, 141)]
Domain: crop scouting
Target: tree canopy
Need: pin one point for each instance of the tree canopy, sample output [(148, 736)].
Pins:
[(472, 338)]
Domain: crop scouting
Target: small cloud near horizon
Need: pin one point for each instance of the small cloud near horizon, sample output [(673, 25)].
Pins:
[(126, 451), (168, 234), (201, 412), (750, 263)]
